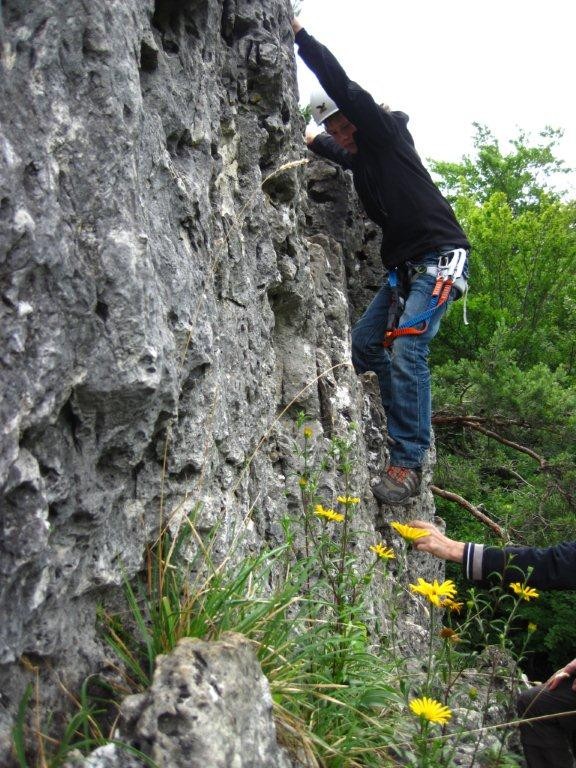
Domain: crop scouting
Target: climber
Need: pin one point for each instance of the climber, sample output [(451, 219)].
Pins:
[(550, 742), (419, 230)]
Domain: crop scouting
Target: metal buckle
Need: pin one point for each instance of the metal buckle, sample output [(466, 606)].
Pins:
[(451, 263)]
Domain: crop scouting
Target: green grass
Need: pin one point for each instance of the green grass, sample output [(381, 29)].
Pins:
[(339, 698)]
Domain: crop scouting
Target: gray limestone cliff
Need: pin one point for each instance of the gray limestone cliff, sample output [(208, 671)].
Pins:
[(175, 285), (209, 706)]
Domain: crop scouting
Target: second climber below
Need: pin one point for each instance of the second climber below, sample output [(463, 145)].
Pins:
[(421, 238)]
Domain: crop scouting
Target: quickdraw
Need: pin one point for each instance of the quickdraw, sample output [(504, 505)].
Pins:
[(449, 269)]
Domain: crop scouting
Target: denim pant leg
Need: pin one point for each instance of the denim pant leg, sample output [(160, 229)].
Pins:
[(403, 372), (368, 354), (410, 409)]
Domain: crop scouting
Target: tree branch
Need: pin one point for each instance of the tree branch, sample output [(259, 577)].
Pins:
[(470, 508), (446, 418), (475, 422), (495, 436), (507, 472)]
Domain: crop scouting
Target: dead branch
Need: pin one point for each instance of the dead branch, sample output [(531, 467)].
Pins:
[(510, 443), (476, 422), (470, 508), (445, 418)]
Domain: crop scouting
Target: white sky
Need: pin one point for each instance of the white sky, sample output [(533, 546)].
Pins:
[(508, 64)]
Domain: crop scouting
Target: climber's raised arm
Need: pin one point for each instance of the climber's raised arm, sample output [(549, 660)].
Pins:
[(296, 26), (352, 100)]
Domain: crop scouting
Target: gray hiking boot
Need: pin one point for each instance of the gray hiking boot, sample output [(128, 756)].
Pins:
[(399, 485)]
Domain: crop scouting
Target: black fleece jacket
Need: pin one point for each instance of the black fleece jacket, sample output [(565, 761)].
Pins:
[(552, 567), (392, 183)]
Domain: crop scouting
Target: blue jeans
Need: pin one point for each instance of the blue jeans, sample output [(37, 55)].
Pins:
[(403, 372)]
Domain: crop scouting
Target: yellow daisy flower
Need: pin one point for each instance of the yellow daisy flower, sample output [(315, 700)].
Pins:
[(307, 432), (452, 605), (436, 593), (431, 710), (408, 532), (526, 593), (384, 552), (328, 514), (532, 627), (348, 500)]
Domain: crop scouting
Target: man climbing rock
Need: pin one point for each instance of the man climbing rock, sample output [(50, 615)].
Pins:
[(423, 248)]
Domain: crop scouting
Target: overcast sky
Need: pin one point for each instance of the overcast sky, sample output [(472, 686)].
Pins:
[(508, 64)]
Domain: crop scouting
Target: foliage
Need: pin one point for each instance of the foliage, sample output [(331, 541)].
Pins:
[(512, 368), (521, 176), (340, 698), (84, 731), (303, 606), (306, 112), (554, 639)]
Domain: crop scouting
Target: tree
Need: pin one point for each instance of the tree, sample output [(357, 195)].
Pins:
[(523, 275), (514, 364), (523, 176), (504, 386)]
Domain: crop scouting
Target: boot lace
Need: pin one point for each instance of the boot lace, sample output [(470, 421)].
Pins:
[(399, 474)]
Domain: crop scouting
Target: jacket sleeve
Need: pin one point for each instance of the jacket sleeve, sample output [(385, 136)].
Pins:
[(549, 567), (326, 147), (355, 103)]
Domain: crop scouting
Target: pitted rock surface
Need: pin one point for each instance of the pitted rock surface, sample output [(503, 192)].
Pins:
[(209, 706), (175, 286)]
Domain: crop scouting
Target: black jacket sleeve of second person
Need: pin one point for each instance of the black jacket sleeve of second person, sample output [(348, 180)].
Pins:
[(550, 567), (354, 102)]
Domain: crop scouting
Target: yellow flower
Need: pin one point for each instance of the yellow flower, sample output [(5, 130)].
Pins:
[(438, 594), (307, 433), (302, 481), (347, 500), (449, 634), (452, 605), (329, 514), (384, 552), (532, 627), (431, 710), (526, 593), (408, 532)]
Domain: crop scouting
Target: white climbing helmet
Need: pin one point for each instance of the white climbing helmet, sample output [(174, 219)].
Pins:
[(322, 106)]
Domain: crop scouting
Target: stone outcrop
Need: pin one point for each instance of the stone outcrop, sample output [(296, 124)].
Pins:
[(209, 706), (175, 286)]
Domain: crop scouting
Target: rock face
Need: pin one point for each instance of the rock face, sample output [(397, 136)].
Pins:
[(171, 298), (209, 706)]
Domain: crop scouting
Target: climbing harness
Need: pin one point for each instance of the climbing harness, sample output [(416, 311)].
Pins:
[(448, 273)]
